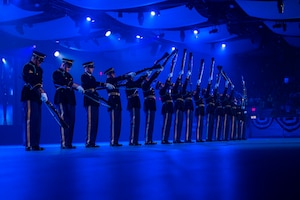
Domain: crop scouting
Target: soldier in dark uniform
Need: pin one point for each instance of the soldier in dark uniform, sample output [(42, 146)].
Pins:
[(234, 119), (134, 107), (200, 114), (220, 113), (227, 114), (32, 97), (114, 100), (65, 100), (167, 108), (188, 108), (210, 109), (150, 106), (91, 102), (178, 108)]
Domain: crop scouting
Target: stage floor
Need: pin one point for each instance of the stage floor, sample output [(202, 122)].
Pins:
[(236, 170)]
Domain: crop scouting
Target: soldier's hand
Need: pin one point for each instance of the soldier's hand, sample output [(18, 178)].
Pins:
[(149, 73), (170, 75), (80, 89), (109, 86), (44, 97), (132, 74)]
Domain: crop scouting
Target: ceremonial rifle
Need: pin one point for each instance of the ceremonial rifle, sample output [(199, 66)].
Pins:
[(55, 114), (200, 72)]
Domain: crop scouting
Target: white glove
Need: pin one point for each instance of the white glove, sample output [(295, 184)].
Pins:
[(181, 72), (44, 97), (232, 87), (132, 74), (171, 75), (189, 73), (149, 72), (198, 82), (80, 89), (161, 69), (109, 86), (226, 83)]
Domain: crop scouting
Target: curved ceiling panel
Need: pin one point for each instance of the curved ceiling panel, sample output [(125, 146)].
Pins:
[(50, 30), (205, 35), (286, 28), (112, 4), (11, 12), (168, 18), (293, 41), (99, 44), (269, 10)]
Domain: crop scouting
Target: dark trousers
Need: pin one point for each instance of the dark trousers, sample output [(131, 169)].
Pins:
[(200, 133), (149, 127), (234, 128), (167, 121), (210, 126), (32, 111), (178, 125), (189, 125), (134, 125), (219, 127), (67, 112), (92, 124), (226, 127), (115, 126)]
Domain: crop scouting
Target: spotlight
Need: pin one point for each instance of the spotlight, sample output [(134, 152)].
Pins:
[(152, 13), (88, 19), (141, 18), (108, 33), (195, 32), (56, 53)]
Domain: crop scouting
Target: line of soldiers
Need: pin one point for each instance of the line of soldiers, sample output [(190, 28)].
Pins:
[(225, 118)]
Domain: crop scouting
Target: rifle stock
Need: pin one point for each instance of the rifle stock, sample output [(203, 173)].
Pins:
[(190, 64), (183, 61), (212, 66), (200, 72)]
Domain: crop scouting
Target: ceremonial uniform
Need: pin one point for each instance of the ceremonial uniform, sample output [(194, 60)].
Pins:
[(149, 107), (91, 103), (134, 107), (178, 109), (65, 100), (32, 97), (167, 109), (115, 109), (227, 115), (210, 109), (189, 110), (219, 115), (234, 120), (200, 114)]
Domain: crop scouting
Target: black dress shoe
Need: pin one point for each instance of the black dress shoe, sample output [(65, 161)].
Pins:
[(178, 142), (69, 147), (188, 141), (116, 145), (166, 142), (34, 148), (92, 146), (150, 143), (134, 144)]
